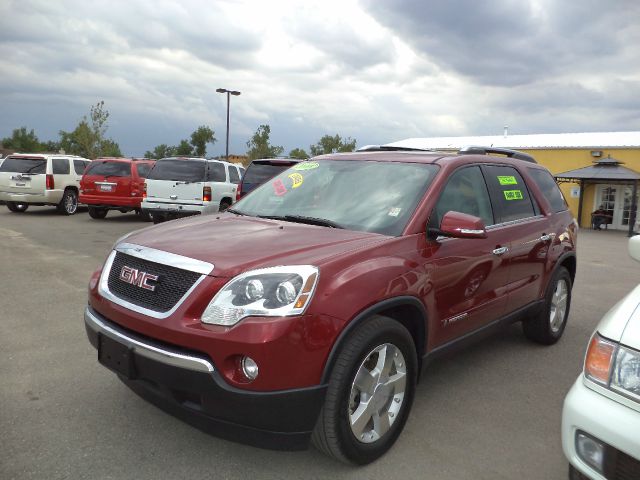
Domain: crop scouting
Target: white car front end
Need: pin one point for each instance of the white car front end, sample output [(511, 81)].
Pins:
[(601, 415)]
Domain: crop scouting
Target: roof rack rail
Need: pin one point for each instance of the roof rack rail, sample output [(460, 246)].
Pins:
[(390, 148), (478, 150)]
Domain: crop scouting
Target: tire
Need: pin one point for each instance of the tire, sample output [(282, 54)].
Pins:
[(157, 218), (547, 327), (98, 213), (143, 215), (17, 207), (69, 203), (383, 413), (224, 204)]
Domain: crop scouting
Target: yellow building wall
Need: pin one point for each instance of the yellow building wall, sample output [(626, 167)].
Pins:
[(562, 160)]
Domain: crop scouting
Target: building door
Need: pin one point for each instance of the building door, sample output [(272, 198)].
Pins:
[(616, 199)]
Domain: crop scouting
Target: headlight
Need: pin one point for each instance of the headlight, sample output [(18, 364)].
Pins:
[(268, 292), (626, 372), (613, 366)]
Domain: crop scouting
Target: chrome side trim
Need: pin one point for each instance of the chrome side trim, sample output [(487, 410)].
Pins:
[(166, 258), (157, 256), (152, 352)]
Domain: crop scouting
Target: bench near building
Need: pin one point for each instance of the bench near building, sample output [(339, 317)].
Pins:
[(593, 169)]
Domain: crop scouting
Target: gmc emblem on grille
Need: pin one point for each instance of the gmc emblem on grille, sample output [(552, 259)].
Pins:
[(140, 279)]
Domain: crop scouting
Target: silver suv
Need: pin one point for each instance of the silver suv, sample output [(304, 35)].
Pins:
[(41, 179)]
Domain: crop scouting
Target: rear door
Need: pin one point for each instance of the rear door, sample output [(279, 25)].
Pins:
[(25, 175), (108, 179), (528, 229), (176, 180)]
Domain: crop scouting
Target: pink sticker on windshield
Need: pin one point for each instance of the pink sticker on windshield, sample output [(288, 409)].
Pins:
[(279, 188)]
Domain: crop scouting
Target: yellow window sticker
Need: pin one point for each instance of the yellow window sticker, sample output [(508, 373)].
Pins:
[(296, 180), (512, 195), (507, 180), (306, 166)]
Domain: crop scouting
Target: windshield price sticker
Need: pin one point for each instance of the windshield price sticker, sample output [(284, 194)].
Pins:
[(296, 180), (512, 195), (394, 212), (306, 166), (507, 180), (279, 188)]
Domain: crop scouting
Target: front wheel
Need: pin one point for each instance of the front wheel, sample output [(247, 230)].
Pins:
[(370, 392), (17, 207), (69, 203), (547, 327)]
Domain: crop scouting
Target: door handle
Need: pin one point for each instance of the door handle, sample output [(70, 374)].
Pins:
[(545, 237), (500, 250)]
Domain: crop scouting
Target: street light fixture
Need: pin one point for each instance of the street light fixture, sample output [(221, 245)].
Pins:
[(229, 93)]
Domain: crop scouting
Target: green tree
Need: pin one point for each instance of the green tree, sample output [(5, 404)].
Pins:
[(329, 144), (200, 138), (298, 153), (184, 149), (161, 151), (259, 146), (88, 138), (23, 141)]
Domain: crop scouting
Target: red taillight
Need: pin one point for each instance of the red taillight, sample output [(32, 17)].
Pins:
[(239, 192), (49, 184), (206, 194), (144, 190)]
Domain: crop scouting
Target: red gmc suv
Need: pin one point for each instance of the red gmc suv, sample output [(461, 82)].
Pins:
[(114, 184), (308, 309)]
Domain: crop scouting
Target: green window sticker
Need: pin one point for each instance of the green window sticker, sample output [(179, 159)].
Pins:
[(507, 180), (306, 166), (512, 195)]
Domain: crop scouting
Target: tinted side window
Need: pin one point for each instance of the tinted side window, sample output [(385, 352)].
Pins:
[(509, 193), (549, 189), (233, 175), (79, 166), (216, 172), (60, 166), (109, 169), (466, 192), (143, 169)]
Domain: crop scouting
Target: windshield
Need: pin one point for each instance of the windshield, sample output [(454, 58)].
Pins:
[(178, 170), (368, 196), (24, 165)]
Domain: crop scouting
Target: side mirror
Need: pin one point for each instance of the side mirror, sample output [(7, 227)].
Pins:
[(634, 247), (461, 225)]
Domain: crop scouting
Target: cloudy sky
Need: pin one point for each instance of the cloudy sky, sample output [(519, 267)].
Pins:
[(374, 70)]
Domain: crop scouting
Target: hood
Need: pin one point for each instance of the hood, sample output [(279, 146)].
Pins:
[(234, 244), (622, 322)]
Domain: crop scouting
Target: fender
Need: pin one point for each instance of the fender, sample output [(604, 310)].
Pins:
[(401, 301)]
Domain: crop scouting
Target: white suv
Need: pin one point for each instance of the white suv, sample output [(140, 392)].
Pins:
[(41, 179), (177, 187), (601, 415)]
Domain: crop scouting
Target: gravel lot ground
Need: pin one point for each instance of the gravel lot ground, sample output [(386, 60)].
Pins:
[(490, 412)]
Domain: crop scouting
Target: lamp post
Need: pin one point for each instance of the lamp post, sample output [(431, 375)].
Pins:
[(229, 93)]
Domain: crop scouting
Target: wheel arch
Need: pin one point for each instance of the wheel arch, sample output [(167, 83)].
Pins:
[(569, 261), (406, 310)]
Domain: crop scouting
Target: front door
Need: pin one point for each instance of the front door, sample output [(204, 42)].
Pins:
[(618, 200)]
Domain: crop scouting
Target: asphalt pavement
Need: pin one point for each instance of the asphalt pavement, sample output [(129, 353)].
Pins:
[(490, 412)]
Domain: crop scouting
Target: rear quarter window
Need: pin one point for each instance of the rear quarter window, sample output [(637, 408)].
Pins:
[(234, 177), (60, 166), (509, 193), (549, 188), (216, 172), (143, 169), (79, 166)]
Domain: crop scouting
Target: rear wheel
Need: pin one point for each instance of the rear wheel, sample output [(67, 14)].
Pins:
[(370, 392), (547, 327), (157, 218), (17, 207), (143, 215), (224, 204), (98, 213), (69, 203)]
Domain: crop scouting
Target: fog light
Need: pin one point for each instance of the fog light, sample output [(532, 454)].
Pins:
[(590, 451), (249, 368)]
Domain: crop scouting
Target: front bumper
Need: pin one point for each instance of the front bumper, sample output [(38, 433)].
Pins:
[(188, 385), (606, 420)]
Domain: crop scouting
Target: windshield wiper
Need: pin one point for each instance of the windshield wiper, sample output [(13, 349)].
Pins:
[(323, 222), (233, 210)]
